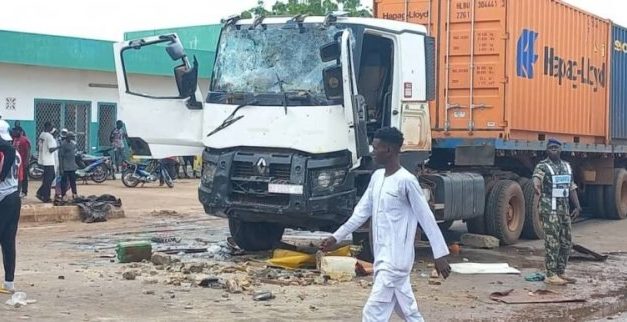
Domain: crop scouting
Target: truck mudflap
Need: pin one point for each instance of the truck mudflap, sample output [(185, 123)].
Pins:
[(457, 195)]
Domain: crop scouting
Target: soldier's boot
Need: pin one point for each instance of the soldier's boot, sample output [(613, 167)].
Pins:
[(555, 280), (570, 280)]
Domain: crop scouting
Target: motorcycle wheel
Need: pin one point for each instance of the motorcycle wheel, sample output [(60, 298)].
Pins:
[(128, 179), (99, 175), (34, 171)]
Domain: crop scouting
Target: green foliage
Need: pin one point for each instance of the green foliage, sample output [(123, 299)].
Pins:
[(308, 7)]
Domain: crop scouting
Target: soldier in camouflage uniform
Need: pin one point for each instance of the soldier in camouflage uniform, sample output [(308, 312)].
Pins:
[(553, 181)]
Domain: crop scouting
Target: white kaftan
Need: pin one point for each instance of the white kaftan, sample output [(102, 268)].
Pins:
[(396, 205)]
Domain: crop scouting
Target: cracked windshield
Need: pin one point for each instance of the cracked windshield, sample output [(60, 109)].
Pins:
[(259, 61)]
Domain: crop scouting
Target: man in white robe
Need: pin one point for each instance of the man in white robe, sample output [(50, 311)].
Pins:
[(396, 205)]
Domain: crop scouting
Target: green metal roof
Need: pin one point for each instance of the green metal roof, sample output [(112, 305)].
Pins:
[(199, 41), (91, 54), (56, 51)]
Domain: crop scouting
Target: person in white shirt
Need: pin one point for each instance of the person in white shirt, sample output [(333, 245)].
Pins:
[(395, 204), (47, 159), (10, 205)]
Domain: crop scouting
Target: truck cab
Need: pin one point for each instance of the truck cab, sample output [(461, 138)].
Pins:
[(286, 123)]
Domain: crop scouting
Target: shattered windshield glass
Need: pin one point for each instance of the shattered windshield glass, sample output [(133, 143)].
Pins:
[(258, 61)]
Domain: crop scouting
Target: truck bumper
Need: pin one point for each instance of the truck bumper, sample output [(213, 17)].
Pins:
[(239, 189)]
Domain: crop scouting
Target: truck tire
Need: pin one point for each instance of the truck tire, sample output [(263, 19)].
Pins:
[(596, 201), (616, 196), (255, 236), (532, 228), (505, 211)]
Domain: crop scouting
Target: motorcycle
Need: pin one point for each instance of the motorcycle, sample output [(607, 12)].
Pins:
[(35, 171), (93, 167), (151, 171)]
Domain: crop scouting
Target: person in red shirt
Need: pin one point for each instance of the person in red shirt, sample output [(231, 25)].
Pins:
[(22, 145)]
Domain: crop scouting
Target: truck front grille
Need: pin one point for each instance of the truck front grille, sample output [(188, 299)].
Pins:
[(244, 169)]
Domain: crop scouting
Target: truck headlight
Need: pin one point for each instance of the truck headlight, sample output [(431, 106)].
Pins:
[(328, 178), (208, 173)]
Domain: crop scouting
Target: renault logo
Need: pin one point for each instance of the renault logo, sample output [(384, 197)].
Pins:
[(262, 167)]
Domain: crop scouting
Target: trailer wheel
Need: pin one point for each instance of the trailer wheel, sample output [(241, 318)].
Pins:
[(596, 200), (532, 228), (505, 212), (616, 196), (255, 236)]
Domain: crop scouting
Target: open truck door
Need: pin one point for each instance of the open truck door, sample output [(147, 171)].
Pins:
[(340, 85), (160, 101)]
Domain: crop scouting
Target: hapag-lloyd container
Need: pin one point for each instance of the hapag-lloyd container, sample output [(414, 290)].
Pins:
[(541, 68), (618, 88)]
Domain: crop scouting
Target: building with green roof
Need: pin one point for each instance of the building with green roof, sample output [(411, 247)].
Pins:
[(71, 82)]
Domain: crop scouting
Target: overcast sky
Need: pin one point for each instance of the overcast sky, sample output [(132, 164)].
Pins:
[(109, 19)]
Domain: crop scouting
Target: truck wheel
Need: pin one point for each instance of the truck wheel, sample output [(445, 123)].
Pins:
[(532, 228), (596, 200), (616, 196), (255, 236), (505, 211)]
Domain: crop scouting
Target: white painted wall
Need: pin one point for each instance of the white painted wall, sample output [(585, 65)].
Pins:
[(26, 83)]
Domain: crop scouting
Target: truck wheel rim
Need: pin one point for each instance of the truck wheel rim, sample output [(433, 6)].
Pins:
[(512, 214)]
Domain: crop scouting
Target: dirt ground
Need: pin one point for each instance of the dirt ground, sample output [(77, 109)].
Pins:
[(69, 270)]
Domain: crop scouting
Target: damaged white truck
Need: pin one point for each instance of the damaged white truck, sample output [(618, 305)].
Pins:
[(286, 125)]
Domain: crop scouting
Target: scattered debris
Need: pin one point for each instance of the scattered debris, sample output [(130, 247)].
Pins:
[(94, 208), (363, 268), (591, 255), (291, 259), (233, 287), (61, 277), (137, 251), (479, 241), (433, 281), (338, 268), (538, 296), (159, 258), (129, 275), (18, 299), (434, 274), (149, 292), (480, 268), (165, 239), (364, 283), (535, 277), (211, 282), (181, 251), (455, 249), (263, 296)]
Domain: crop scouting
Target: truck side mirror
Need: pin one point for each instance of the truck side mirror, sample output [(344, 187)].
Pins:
[(330, 52), (175, 50), (333, 85)]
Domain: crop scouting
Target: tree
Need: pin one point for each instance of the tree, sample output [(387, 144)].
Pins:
[(308, 7)]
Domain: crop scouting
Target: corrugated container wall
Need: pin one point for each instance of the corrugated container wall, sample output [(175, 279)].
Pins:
[(516, 69), (618, 95)]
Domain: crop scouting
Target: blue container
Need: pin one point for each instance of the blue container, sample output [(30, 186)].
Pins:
[(618, 89)]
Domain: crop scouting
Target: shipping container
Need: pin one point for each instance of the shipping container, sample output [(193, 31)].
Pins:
[(516, 69), (618, 87)]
